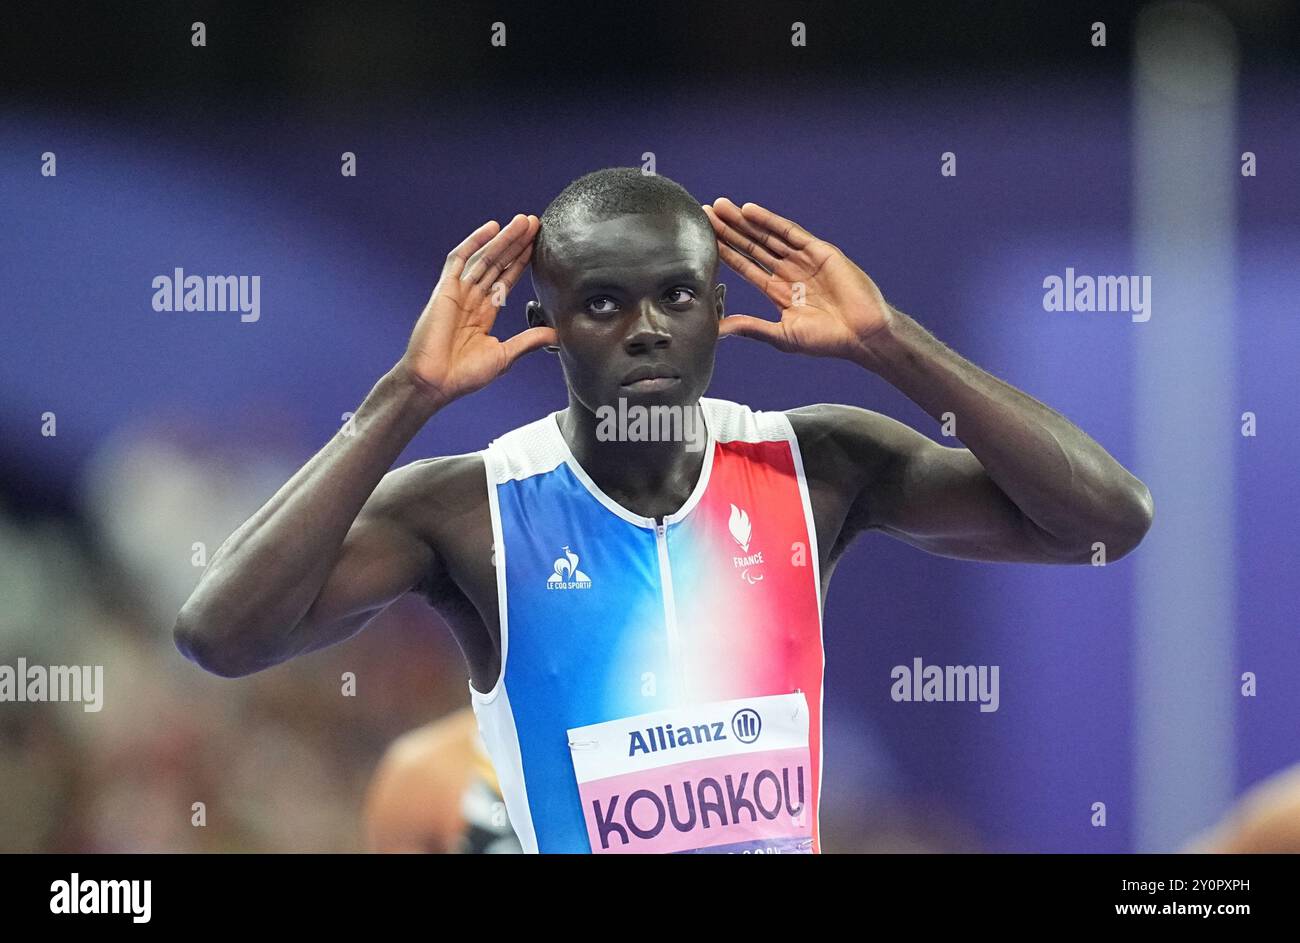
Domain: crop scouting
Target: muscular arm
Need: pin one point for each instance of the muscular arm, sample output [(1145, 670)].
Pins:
[(1031, 487), (341, 539), (333, 547)]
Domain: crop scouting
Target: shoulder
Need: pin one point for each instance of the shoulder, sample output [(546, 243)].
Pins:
[(837, 439), (445, 481), (437, 501)]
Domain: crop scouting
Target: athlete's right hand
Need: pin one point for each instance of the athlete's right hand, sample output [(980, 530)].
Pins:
[(452, 351)]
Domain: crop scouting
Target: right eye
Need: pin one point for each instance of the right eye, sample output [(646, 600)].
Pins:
[(594, 303)]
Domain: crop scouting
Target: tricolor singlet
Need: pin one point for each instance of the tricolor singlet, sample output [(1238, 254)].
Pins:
[(661, 683)]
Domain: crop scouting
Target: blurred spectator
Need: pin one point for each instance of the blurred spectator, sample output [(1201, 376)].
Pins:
[(279, 761), (1266, 820)]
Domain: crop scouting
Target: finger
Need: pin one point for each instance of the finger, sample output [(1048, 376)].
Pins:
[(482, 261), (485, 312), (458, 256), (744, 237), (509, 255), (771, 332), (730, 214), (480, 264), (788, 232), (744, 265), (778, 290), (526, 341), (510, 276), (745, 243)]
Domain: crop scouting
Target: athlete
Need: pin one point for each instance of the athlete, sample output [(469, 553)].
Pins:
[(435, 791), (641, 614)]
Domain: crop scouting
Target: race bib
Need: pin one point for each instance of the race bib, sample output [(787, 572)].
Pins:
[(726, 777)]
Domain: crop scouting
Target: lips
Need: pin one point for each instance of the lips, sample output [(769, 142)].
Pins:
[(651, 384), (651, 376)]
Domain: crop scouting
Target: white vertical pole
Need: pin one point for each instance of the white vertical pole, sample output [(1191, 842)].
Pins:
[(1186, 170)]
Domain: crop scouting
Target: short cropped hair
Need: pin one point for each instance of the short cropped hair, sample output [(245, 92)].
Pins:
[(615, 191)]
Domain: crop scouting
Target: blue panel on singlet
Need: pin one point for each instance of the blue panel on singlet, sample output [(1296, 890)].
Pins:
[(575, 656)]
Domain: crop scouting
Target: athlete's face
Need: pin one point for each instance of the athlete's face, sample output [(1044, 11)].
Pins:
[(631, 296)]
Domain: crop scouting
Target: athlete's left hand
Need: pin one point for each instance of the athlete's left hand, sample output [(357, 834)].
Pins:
[(841, 308)]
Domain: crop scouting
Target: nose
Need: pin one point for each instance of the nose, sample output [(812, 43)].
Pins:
[(649, 332)]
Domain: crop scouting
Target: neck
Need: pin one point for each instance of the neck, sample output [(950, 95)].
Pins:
[(652, 479)]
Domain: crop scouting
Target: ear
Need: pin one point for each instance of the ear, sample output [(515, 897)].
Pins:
[(536, 316), (720, 300)]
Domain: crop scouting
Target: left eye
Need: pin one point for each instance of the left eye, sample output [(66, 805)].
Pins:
[(681, 291)]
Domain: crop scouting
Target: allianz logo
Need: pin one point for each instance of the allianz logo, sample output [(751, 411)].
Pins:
[(745, 726)]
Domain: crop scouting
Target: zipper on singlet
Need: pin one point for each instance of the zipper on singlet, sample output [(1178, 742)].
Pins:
[(670, 605)]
